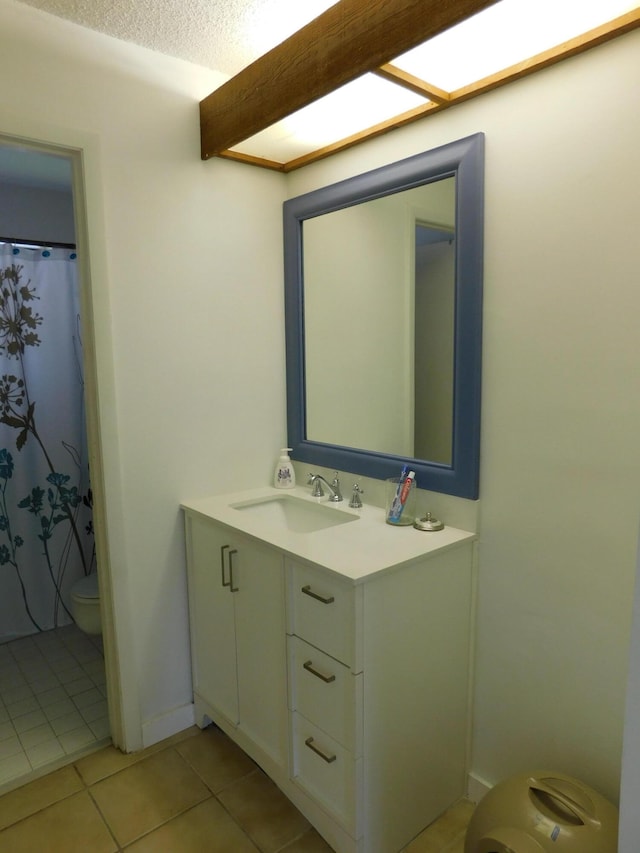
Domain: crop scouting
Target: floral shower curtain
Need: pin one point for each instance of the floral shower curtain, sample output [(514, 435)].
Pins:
[(46, 531)]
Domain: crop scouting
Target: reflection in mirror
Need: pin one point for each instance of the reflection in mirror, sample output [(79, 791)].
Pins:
[(383, 301), (434, 329), (381, 277)]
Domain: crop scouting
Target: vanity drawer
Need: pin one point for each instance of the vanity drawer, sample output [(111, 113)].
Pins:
[(327, 771), (326, 692), (322, 612)]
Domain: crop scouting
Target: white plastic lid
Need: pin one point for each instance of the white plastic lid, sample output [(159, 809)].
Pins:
[(87, 587)]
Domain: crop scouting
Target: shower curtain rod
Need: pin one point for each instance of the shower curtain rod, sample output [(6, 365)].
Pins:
[(50, 245)]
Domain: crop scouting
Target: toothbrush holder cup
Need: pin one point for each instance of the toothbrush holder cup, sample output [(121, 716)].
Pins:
[(404, 514)]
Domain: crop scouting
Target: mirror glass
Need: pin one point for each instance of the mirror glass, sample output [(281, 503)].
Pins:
[(383, 286), (391, 271)]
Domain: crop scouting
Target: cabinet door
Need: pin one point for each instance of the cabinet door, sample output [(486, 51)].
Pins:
[(258, 581), (211, 606)]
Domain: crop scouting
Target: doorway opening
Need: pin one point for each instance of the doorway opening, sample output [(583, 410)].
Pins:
[(56, 680)]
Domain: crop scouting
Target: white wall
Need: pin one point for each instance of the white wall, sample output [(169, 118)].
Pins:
[(187, 280), (560, 469)]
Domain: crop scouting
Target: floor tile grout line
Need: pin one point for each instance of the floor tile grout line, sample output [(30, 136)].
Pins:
[(242, 829), (82, 651), (168, 820), (103, 819), (214, 795), (207, 795), (73, 765), (292, 840), (40, 810), (168, 748)]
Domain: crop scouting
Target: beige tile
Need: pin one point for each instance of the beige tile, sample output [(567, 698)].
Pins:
[(263, 811), (37, 795), (73, 825), (216, 758), (110, 760), (445, 831), (104, 763), (457, 846), (458, 816), (310, 842), (145, 795), (206, 828)]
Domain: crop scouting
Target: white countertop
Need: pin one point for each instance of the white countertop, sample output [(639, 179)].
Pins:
[(357, 550)]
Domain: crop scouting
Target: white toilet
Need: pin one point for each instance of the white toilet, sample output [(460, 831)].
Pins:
[(85, 604)]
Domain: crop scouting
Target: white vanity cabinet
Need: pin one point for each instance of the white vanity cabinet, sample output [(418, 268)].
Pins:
[(379, 696), (339, 660), (237, 618)]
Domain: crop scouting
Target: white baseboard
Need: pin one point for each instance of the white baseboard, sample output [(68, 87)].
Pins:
[(477, 788), (163, 726)]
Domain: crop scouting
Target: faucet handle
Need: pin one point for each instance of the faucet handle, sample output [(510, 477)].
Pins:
[(335, 485), (356, 502), (317, 491)]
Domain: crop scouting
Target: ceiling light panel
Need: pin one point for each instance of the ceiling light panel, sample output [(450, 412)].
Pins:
[(503, 35), (363, 103)]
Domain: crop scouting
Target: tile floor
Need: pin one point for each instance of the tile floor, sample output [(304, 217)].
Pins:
[(193, 793), (52, 700)]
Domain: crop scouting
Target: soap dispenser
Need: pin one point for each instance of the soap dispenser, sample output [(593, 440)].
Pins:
[(284, 476)]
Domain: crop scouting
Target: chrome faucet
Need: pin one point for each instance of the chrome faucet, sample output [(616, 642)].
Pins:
[(356, 500), (316, 480)]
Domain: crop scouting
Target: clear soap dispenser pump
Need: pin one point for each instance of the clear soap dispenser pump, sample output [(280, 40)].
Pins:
[(284, 476)]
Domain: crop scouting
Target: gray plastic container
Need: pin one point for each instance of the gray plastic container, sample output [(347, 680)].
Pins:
[(543, 812)]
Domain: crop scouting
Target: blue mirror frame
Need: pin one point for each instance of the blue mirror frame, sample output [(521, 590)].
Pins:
[(464, 160)]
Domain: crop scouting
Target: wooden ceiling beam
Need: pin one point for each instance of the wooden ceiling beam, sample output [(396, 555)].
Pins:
[(351, 38)]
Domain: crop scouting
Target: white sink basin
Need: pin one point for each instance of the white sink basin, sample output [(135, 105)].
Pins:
[(293, 513)]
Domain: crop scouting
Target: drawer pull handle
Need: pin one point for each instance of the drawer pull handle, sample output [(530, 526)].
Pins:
[(222, 550), (323, 755), (308, 591), (232, 588), (308, 665)]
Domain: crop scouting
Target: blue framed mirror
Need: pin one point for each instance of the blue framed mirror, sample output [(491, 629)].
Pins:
[(383, 310)]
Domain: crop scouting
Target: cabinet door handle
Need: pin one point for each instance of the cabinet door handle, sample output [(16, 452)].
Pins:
[(325, 756), (308, 665), (222, 550), (232, 588), (324, 599)]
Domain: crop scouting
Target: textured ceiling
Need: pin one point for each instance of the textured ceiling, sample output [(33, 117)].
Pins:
[(225, 35)]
